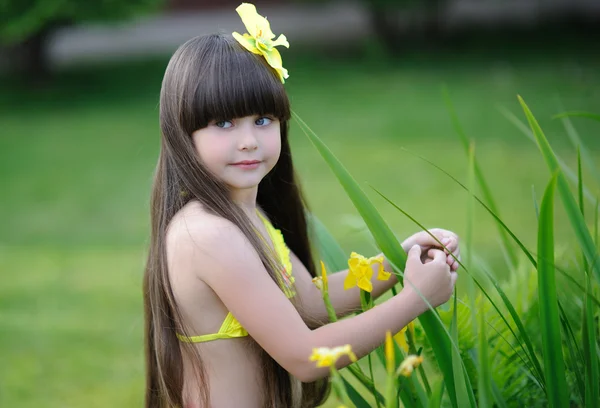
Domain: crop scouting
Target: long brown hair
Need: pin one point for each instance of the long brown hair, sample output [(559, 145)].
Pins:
[(214, 78)]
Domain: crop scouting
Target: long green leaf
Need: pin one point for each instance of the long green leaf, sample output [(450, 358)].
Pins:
[(592, 375), (487, 192), (574, 352), (355, 370), (500, 402), (437, 393), (415, 397), (554, 365), (469, 235), (328, 248), (527, 132), (462, 392), (580, 114), (527, 252), (532, 356), (484, 390), (588, 160), (577, 221), (354, 395), (391, 248)]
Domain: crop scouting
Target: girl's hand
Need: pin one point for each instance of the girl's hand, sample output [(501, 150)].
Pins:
[(427, 243), (433, 280)]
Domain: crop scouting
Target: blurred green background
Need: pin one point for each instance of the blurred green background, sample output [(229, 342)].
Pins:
[(79, 142)]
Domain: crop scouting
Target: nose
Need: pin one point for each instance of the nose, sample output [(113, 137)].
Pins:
[(248, 140)]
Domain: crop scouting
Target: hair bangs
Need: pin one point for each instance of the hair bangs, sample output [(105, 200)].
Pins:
[(237, 83)]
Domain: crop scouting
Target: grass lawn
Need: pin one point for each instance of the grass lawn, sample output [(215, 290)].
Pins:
[(76, 163)]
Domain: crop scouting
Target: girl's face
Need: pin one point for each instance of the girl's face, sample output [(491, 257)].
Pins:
[(240, 152)]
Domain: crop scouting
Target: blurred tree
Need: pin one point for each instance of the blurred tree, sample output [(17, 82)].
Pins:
[(26, 26), (391, 18)]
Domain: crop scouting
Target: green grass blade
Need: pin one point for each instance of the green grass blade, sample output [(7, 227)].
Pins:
[(462, 392), (575, 217), (578, 144), (596, 227), (416, 395), (412, 393), (328, 248), (580, 186), (355, 370), (389, 245), (484, 391), (527, 132), (484, 205), (554, 365), (592, 376), (535, 203), (498, 397), (469, 235), (574, 351), (487, 192), (581, 114), (437, 394), (526, 251), (529, 352), (528, 347), (373, 389), (355, 396)]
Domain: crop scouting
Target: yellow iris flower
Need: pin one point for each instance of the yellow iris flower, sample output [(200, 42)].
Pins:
[(400, 337), (260, 38), (360, 271), (389, 353), (409, 364), (327, 357), (318, 281), (321, 282)]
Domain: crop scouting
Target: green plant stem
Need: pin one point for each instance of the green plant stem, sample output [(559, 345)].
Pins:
[(413, 350), (373, 389), (338, 386)]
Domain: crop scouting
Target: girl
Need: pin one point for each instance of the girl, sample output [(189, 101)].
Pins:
[(231, 312)]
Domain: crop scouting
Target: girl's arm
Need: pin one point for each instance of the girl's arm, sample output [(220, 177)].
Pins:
[(218, 253), (346, 301)]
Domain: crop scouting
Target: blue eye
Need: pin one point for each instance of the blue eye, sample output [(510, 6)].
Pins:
[(223, 124), (264, 121)]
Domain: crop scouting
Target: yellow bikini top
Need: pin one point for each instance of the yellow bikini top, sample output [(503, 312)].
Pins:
[(231, 328)]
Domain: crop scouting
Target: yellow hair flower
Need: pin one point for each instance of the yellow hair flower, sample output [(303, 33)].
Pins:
[(260, 38), (327, 357), (409, 364), (360, 271)]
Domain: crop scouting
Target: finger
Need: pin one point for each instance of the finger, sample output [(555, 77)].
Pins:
[(453, 278), (414, 254), (432, 251), (451, 243), (455, 266), (439, 256), (427, 240)]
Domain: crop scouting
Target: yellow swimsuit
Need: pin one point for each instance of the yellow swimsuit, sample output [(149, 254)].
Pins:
[(231, 328)]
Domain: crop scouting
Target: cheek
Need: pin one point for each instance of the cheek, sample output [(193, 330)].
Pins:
[(273, 146), (211, 150)]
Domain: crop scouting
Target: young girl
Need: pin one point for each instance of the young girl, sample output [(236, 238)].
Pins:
[(231, 312)]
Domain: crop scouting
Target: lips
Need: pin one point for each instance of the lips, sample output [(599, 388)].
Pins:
[(246, 162)]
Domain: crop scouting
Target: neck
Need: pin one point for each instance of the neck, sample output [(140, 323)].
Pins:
[(246, 200)]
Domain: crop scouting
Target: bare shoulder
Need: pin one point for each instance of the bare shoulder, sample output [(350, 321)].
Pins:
[(196, 239)]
